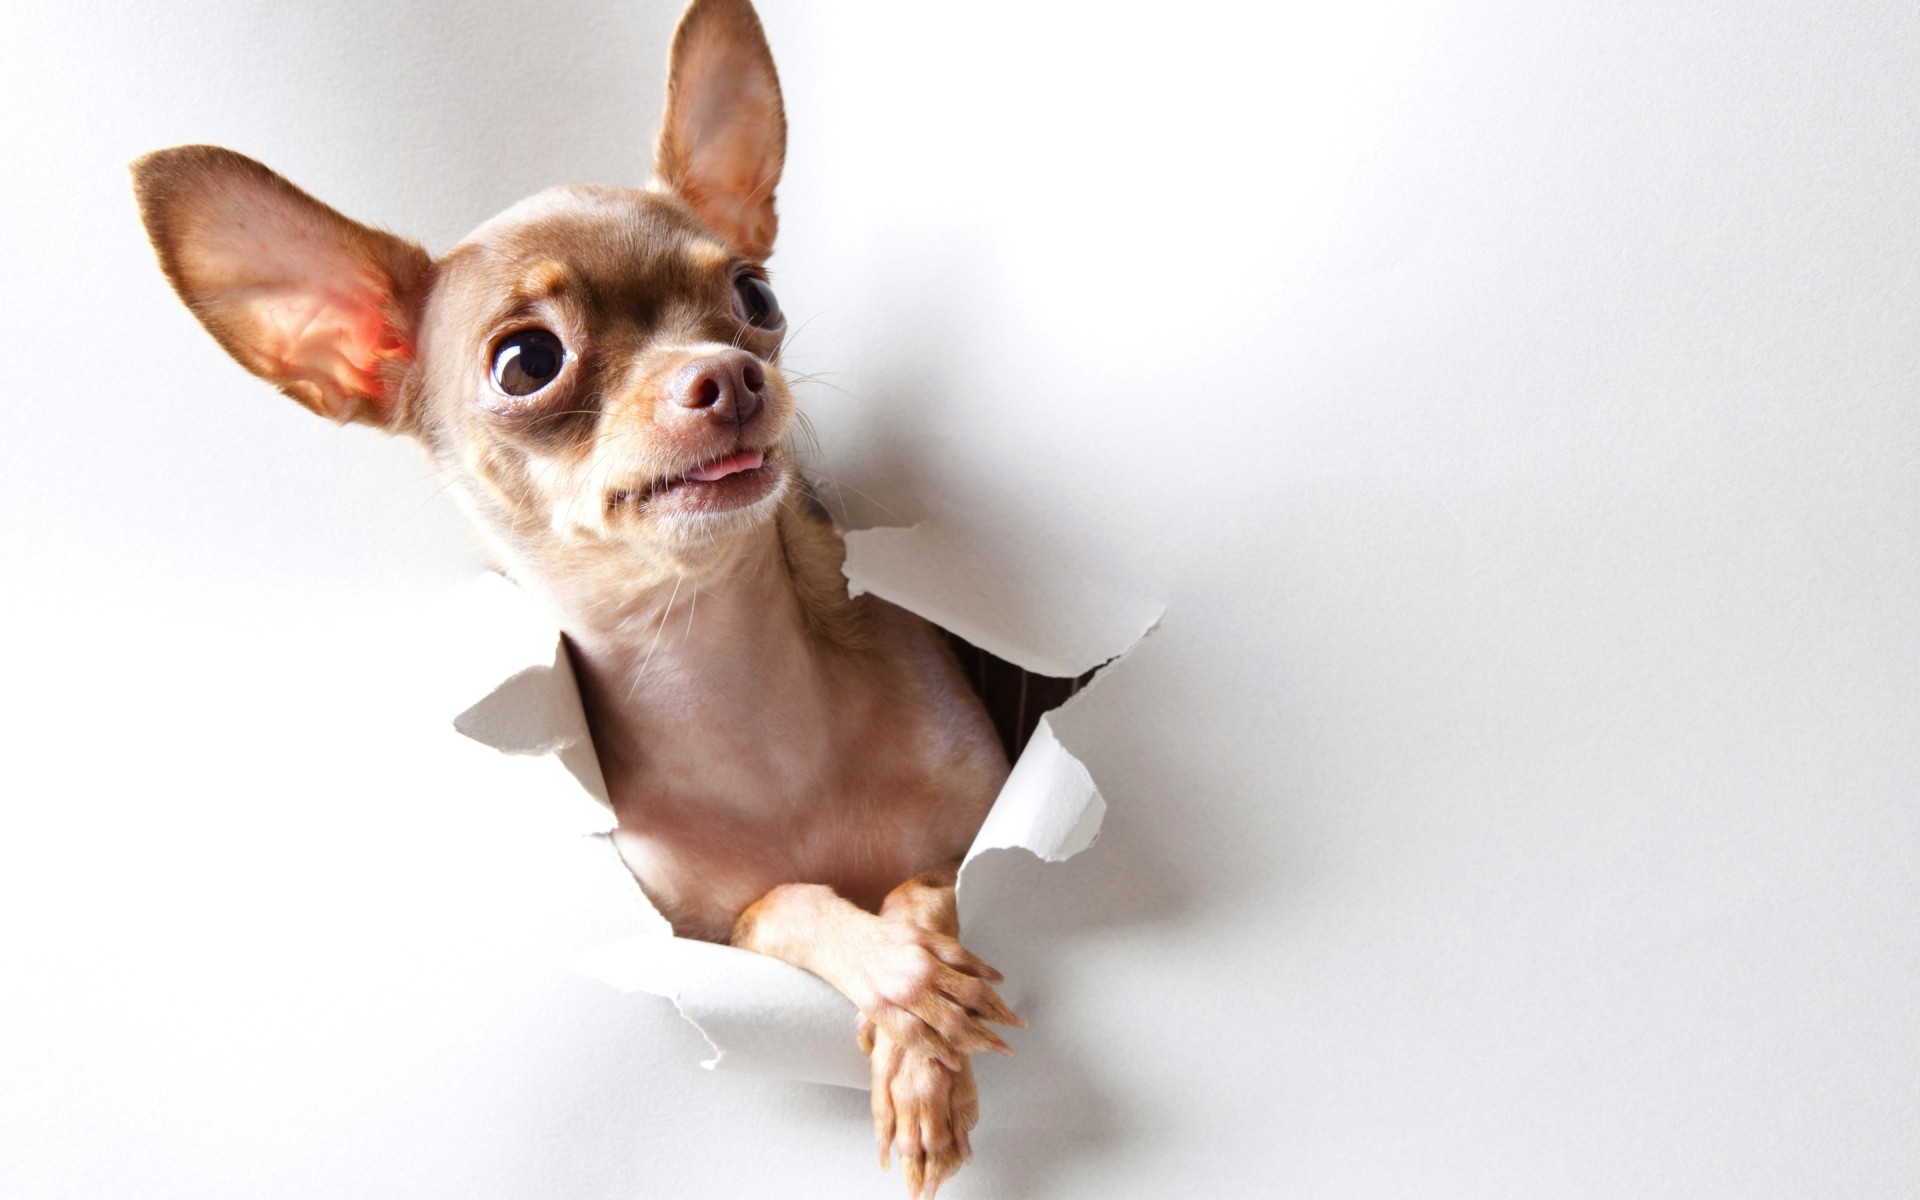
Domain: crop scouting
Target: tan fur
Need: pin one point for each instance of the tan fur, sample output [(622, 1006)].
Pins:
[(780, 757)]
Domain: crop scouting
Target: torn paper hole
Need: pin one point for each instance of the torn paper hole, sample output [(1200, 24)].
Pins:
[(757, 1013)]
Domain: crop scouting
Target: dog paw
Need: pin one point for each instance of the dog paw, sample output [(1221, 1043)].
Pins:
[(923, 1111), (929, 994)]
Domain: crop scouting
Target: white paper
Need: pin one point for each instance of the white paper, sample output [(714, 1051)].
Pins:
[(1035, 624), (759, 1014)]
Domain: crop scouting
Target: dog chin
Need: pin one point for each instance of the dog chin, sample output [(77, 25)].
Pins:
[(706, 526)]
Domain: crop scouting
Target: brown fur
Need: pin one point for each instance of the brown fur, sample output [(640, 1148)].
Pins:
[(780, 757)]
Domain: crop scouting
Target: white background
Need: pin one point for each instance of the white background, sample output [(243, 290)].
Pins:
[(1513, 406)]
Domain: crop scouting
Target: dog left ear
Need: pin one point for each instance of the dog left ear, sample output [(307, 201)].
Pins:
[(317, 304), (724, 138)]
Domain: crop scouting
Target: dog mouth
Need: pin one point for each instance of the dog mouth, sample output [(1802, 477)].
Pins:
[(732, 464), (732, 481)]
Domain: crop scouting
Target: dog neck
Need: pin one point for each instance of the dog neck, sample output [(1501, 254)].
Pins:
[(738, 659)]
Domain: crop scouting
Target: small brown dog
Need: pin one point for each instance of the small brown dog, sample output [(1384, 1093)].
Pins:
[(596, 372)]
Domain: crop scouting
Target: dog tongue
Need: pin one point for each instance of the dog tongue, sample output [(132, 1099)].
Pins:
[(746, 460)]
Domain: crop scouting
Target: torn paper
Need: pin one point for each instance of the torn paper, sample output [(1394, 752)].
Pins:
[(759, 1014)]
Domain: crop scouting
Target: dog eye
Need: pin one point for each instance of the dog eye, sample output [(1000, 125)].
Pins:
[(754, 302), (527, 362)]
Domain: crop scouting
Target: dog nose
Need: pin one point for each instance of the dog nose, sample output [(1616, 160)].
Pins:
[(730, 386)]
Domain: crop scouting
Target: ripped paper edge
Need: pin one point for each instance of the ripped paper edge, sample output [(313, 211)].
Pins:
[(758, 1014)]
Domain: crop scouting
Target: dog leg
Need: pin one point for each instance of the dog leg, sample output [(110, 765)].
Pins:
[(922, 1108), (919, 985), (924, 1003)]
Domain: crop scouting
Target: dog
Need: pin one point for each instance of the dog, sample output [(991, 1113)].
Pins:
[(596, 373)]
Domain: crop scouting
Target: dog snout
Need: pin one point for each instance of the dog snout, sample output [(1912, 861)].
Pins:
[(730, 387)]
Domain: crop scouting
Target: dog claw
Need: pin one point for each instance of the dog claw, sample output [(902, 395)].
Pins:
[(923, 1112)]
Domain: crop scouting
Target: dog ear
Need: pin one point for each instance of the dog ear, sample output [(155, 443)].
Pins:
[(301, 296), (724, 138)]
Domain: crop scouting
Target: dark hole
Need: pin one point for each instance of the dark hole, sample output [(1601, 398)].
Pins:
[(1016, 699)]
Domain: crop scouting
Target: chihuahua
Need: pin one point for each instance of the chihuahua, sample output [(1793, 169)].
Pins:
[(596, 373)]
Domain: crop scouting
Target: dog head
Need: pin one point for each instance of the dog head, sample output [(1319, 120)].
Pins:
[(596, 369)]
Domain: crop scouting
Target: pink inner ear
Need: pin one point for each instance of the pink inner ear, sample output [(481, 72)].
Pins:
[(333, 333), (298, 292), (729, 179)]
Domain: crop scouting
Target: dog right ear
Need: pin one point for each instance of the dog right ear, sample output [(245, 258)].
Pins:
[(319, 305), (723, 139)]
